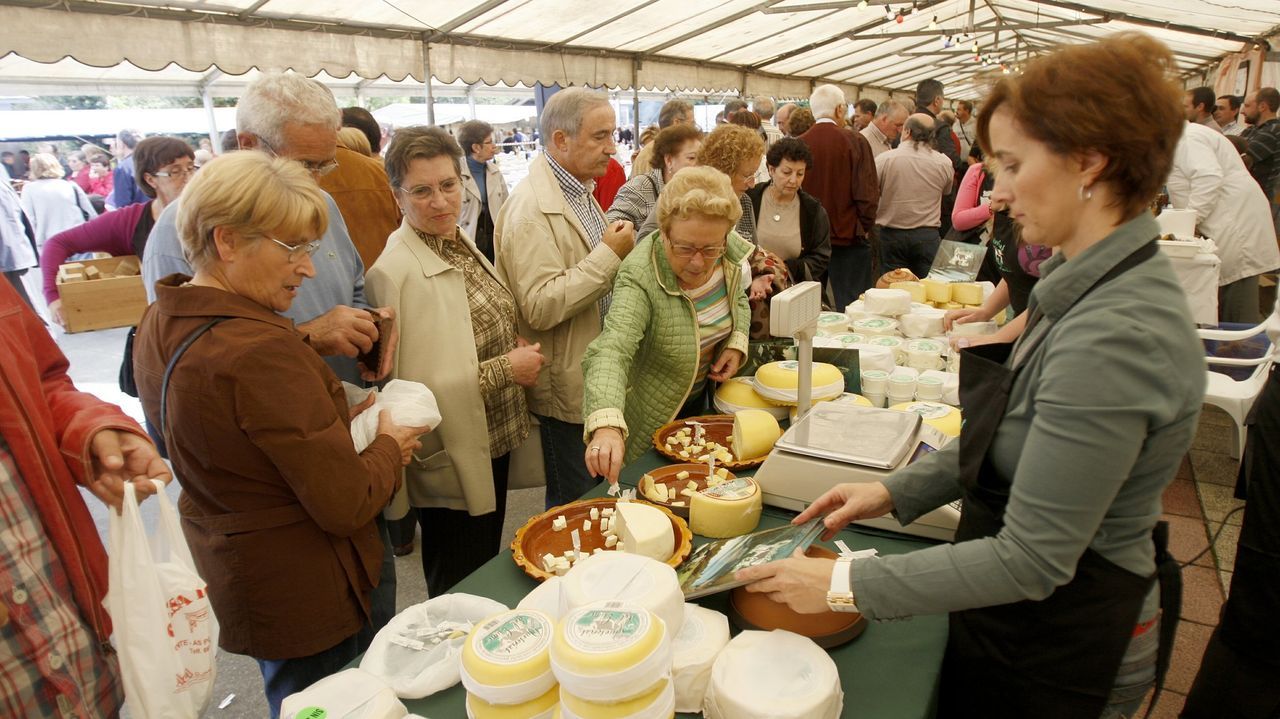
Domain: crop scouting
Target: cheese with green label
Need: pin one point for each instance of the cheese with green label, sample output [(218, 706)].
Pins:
[(619, 575), (645, 530), (610, 652), (507, 658), (658, 703), (754, 434), (729, 509)]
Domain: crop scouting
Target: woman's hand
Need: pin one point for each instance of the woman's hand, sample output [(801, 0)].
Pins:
[(726, 365), (55, 312), (406, 437), (964, 316), (118, 457), (798, 581), (761, 288), (526, 362), (846, 502), (605, 452)]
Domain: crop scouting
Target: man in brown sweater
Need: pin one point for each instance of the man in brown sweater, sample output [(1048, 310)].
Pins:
[(843, 178)]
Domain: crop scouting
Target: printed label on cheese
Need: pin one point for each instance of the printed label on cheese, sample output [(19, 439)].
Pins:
[(691, 632), (741, 488), (516, 638), (929, 411), (610, 628), (872, 323), (886, 341), (924, 346), (789, 365), (832, 318)]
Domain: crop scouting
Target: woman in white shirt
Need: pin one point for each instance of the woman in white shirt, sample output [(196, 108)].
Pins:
[(51, 203)]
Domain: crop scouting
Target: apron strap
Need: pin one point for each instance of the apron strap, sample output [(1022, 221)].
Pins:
[(1169, 577), (173, 362)]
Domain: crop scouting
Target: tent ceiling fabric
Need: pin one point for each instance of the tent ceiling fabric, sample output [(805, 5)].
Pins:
[(776, 47)]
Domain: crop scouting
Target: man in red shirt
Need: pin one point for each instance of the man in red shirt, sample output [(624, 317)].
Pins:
[(843, 178)]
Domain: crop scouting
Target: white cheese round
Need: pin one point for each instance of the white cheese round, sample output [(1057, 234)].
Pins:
[(889, 303), (658, 703), (774, 674), (609, 652), (544, 707), (695, 648), (620, 575)]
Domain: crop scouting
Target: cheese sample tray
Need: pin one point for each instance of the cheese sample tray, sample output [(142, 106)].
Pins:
[(539, 537), (673, 484), (755, 610), (717, 428)]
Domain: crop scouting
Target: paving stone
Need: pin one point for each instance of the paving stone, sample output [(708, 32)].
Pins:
[(1225, 546), (1214, 438), (1188, 649), (1201, 595), (1168, 707), (1187, 538), (1180, 498), (1214, 468), (1218, 501)]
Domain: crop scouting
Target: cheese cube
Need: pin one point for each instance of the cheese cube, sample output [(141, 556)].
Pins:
[(559, 523), (586, 525), (604, 525), (682, 474), (687, 492), (677, 504), (598, 550), (691, 485), (595, 513), (611, 541), (724, 473), (608, 512)]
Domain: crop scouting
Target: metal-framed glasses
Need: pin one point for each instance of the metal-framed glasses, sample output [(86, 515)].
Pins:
[(424, 193), (297, 252), (685, 252), (176, 172), (319, 169)]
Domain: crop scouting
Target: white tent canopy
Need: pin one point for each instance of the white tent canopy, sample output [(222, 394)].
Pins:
[(774, 47)]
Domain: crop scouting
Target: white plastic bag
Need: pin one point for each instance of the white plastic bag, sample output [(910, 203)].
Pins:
[(165, 631), (411, 404), (419, 652), (349, 694)]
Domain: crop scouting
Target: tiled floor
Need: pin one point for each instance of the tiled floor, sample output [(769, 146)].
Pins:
[(1195, 506)]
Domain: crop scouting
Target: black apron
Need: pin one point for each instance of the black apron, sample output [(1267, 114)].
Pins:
[(1057, 657)]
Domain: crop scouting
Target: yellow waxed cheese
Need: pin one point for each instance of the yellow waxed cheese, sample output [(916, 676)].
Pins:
[(937, 291), (659, 703), (730, 509), (754, 433), (966, 293), (610, 652), (507, 657), (544, 707), (786, 374), (914, 288), (740, 391), (943, 417)]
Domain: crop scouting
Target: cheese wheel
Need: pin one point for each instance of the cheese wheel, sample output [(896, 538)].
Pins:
[(890, 303), (943, 417), (506, 658), (621, 575), (739, 393), (726, 510), (966, 293), (647, 531), (875, 326), (610, 652), (694, 649), (833, 321), (658, 703), (545, 598), (775, 674), (786, 374), (544, 707), (936, 290), (754, 434), (915, 289), (922, 323)]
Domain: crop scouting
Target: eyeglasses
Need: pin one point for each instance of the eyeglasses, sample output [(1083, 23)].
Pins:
[(319, 169), (176, 172), (424, 193), (297, 252), (685, 252)]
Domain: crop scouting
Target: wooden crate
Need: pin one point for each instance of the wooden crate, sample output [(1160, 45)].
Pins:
[(103, 303)]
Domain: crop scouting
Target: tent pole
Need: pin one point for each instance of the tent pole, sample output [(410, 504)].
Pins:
[(635, 99), (426, 70), (471, 99), (206, 98)]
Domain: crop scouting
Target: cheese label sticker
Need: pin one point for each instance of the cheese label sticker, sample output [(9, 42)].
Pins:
[(929, 411), (740, 488), (789, 365), (873, 323), (924, 346), (691, 632), (512, 639), (609, 628), (848, 339), (832, 318), (886, 341)]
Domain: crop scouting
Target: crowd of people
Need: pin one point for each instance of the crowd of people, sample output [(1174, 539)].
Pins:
[(317, 254)]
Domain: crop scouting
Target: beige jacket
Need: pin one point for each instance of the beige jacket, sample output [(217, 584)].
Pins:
[(544, 257), (438, 349), (473, 203)]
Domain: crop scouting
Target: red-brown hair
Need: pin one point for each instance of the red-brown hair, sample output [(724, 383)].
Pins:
[(1116, 97)]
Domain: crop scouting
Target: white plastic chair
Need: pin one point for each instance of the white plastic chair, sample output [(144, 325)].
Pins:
[(1236, 397)]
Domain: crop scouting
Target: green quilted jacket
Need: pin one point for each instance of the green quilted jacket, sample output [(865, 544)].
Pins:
[(639, 371)]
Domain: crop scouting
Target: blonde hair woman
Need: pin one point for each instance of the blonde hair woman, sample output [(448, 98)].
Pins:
[(678, 323), (51, 203), (275, 496)]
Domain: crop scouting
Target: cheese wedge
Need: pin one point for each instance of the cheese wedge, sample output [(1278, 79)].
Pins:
[(644, 530), (754, 433)]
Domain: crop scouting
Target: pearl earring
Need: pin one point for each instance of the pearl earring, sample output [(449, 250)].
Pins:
[(1084, 193)]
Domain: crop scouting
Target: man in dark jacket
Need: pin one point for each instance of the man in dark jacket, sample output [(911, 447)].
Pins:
[(929, 101)]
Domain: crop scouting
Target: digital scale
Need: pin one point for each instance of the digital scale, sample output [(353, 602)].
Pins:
[(838, 442)]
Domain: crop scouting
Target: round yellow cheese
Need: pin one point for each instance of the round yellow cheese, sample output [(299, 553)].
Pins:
[(610, 651), (943, 417), (657, 703), (786, 374), (848, 397), (507, 658), (754, 433), (726, 510), (544, 707), (740, 393)]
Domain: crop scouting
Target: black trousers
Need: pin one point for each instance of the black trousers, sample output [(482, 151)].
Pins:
[(1238, 674), (454, 543)]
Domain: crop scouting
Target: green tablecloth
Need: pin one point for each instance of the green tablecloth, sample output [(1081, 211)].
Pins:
[(890, 672)]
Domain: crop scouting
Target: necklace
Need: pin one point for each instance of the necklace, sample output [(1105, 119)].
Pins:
[(777, 216)]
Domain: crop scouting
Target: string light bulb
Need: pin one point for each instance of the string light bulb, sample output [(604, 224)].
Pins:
[(933, 24), (862, 4), (975, 46), (899, 18)]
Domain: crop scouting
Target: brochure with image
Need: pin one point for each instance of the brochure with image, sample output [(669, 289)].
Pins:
[(711, 567)]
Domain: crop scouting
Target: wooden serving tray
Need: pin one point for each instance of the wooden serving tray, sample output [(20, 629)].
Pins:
[(667, 475), (537, 538), (718, 427)]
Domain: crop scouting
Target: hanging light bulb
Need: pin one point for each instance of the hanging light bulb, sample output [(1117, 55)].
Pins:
[(899, 18), (933, 24), (914, 8), (888, 12), (862, 4), (947, 42), (975, 46)]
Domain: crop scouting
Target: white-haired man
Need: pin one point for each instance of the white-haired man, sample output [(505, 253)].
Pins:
[(913, 179), (885, 127), (763, 106), (843, 178), (558, 255)]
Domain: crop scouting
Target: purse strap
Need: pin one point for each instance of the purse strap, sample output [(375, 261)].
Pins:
[(173, 362)]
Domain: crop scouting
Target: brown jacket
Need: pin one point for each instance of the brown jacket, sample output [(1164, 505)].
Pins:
[(360, 188), (843, 178), (277, 507)]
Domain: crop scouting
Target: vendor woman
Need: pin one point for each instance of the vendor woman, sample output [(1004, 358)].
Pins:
[(1071, 435), (679, 320)]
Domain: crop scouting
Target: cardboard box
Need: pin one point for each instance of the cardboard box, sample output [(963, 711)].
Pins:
[(106, 302)]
